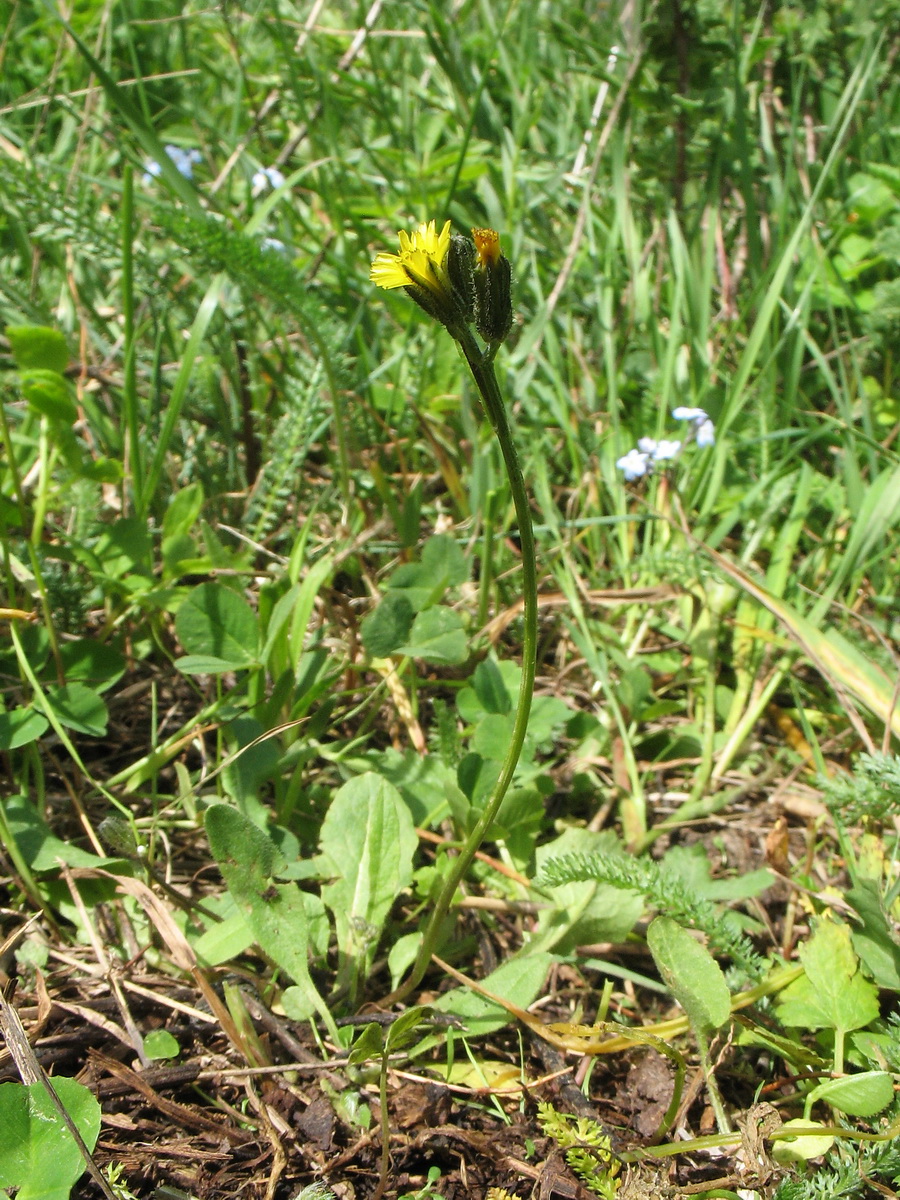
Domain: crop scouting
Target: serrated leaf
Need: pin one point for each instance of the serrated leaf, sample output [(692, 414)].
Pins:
[(832, 993), (692, 974)]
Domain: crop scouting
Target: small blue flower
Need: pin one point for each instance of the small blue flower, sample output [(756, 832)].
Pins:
[(267, 177), (151, 170), (706, 434), (665, 449), (635, 464), (270, 243), (682, 413), (183, 160)]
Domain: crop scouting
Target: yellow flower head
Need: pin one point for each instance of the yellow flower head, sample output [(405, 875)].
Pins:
[(421, 262), (455, 280)]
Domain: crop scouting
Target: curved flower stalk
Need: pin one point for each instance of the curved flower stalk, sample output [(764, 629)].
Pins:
[(460, 283)]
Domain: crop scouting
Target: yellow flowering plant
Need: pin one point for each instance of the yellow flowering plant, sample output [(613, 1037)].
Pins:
[(461, 283)]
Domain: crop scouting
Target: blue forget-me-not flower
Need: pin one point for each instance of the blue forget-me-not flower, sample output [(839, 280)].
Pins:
[(267, 177), (639, 461), (183, 160), (704, 429)]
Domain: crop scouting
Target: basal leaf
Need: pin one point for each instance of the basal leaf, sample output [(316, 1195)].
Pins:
[(437, 636), (490, 687), (387, 627), (48, 393), (367, 844), (216, 621), (159, 1043), (518, 981), (875, 942), (444, 558), (208, 664), (79, 707), (37, 1152), (38, 346), (276, 913), (21, 726), (688, 968), (861, 1095)]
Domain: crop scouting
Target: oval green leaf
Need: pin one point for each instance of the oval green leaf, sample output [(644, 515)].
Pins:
[(38, 346), (79, 708), (861, 1095), (215, 621), (692, 974)]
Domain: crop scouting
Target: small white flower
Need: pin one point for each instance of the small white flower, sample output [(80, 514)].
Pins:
[(706, 434), (634, 464), (270, 243), (647, 445), (683, 413), (665, 449), (267, 177)]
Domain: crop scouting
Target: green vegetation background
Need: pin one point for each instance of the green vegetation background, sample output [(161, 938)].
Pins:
[(231, 450)]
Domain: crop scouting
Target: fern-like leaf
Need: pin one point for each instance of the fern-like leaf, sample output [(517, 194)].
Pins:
[(666, 891)]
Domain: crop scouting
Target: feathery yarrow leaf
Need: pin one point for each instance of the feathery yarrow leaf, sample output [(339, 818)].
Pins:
[(666, 891)]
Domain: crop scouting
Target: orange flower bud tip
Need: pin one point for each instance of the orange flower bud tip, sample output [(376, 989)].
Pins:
[(487, 246)]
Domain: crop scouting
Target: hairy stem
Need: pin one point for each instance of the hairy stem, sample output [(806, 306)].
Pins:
[(481, 365)]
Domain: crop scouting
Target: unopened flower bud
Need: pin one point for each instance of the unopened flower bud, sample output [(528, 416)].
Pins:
[(460, 268), (493, 291)]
